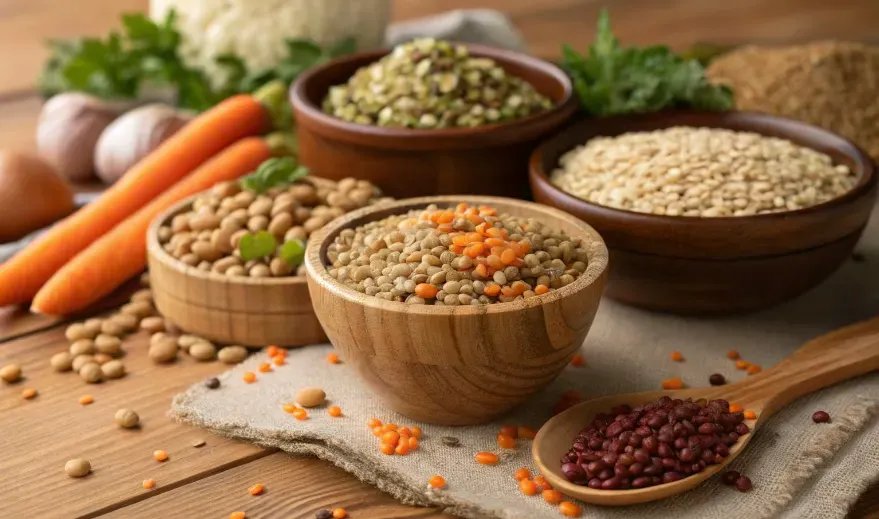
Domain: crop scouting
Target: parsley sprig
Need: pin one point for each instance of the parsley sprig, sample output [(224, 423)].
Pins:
[(613, 79)]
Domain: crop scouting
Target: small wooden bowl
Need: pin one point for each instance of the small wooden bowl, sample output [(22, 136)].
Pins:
[(241, 310), (692, 265), (490, 159), (456, 365)]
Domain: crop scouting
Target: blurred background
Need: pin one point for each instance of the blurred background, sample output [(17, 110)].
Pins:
[(545, 24)]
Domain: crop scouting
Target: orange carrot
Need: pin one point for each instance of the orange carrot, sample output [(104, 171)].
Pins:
[(235, 118), (121, 254)]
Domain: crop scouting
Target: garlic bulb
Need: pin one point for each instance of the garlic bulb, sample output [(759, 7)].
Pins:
[(68, 129), (133, 136)]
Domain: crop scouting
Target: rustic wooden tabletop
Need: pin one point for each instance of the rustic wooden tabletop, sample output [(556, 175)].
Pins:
[(38, 436)]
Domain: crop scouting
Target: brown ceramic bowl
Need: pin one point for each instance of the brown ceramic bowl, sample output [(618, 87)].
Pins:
[(491, 159), (456, 365), (716, 265)]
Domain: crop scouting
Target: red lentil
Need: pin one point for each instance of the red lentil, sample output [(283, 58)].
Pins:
[(300, 414), (237, 515), (506, 442), (526, 432), (413, 443), (149, 483), (391, 437), (577, 361), (390, 427), (672, 383), (750, 415), (402, 448), (416, 431), (404, 431), (378, 431), (387, 448), (569, 509), (373, 423), (86, 399), (249, 377), (160, 455), (735, 408), (753, 369), (528, 487), (278, 360), (437, 482), (334, 411), (265, 367), (332, 358), (271, 351), (552, 497), (255, 490), (521, 474), (732, 355), (340, 513), (742, 364), (677, 356), (28, 393), (487, 458), (542, 483)]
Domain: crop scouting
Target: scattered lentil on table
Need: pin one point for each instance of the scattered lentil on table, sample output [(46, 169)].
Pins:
[(820, 417), (701, 172), (86, 399), (459, 255), (10, 373), (81, 360), (28, 393), (256, 489), (310, 397), (160, 455), (126, 418), (209, 234), (428, 84), (437, 482), (148, 483), (232, 354), (77, 468), (654, 443)]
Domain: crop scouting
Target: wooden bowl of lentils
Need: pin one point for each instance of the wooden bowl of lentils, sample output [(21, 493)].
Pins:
[(226, 264), (430, 117), (710, 213), (454, 309)]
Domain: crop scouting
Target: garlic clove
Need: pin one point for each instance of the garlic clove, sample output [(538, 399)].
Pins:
[(133, 136)]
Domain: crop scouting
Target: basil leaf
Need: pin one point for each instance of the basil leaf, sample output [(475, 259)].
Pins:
[(293, 252), (256, 246), (274, 172)]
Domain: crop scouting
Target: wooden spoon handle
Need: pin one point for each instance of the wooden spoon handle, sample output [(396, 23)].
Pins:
[(832, 358)]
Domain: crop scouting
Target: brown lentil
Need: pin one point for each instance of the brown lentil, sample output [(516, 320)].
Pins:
[(102, 358), (113, 369), (428, 257), (203, 351), (108, 344), (144, 294), (77, 468), (310, 397), (10, 373), (153, 324), (91, 373), (82, 347), (113, 327), (79, 331), (232, 354), (198, 443), (81, 360), (138, 309), (127, 322), (701, 172), (61, 361), (126, 418), (163, 350), (93, 325)]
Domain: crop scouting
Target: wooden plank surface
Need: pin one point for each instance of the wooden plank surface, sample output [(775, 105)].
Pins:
[(296, 488), (38, 436)]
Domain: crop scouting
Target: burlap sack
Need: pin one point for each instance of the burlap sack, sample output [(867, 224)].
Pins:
[(800, 469)]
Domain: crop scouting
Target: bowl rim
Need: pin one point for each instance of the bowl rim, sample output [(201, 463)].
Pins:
[(301, 102), (318, 272), (155, 248), (784, 125)]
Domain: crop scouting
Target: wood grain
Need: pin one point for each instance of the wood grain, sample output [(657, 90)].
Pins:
[(296, 488), (231, 310), (54, 427), (822, 362), (457, 365)]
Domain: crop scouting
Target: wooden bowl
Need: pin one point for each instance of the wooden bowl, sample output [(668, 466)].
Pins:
[(456, 365), (229, 310), (490, 159), (693, 265)]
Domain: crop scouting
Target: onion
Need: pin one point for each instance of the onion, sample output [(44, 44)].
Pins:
[(32, 195)]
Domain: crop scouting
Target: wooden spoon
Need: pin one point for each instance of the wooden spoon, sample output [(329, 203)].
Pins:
[(832, 358)]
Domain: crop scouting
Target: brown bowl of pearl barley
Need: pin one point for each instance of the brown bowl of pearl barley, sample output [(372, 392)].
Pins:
[(710, 212), (455, 309)]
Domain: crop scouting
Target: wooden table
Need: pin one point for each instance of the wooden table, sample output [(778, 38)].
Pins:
[(38, 436)]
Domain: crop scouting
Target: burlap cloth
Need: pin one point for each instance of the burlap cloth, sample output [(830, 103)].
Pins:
[(799, 469)]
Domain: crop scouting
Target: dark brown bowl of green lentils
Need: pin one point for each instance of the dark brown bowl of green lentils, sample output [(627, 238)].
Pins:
[(430, 117), (454, 309)]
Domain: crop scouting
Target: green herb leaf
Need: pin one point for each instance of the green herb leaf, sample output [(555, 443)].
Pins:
[(615, 80), (293, 252), (275, 172), (256, 246)]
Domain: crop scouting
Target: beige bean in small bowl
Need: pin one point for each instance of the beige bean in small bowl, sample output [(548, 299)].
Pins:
[(460, 364), (254, 303)]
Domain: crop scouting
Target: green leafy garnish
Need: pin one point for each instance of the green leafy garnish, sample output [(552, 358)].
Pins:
[(293, 252), (275, 172), (146, 55), (256, 246), (617, 80)]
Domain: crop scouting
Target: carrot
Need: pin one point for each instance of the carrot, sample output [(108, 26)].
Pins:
[(235, 118), (121, 254)]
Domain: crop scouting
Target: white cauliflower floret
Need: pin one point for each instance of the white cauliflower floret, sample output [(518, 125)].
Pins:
[(255, 30)]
